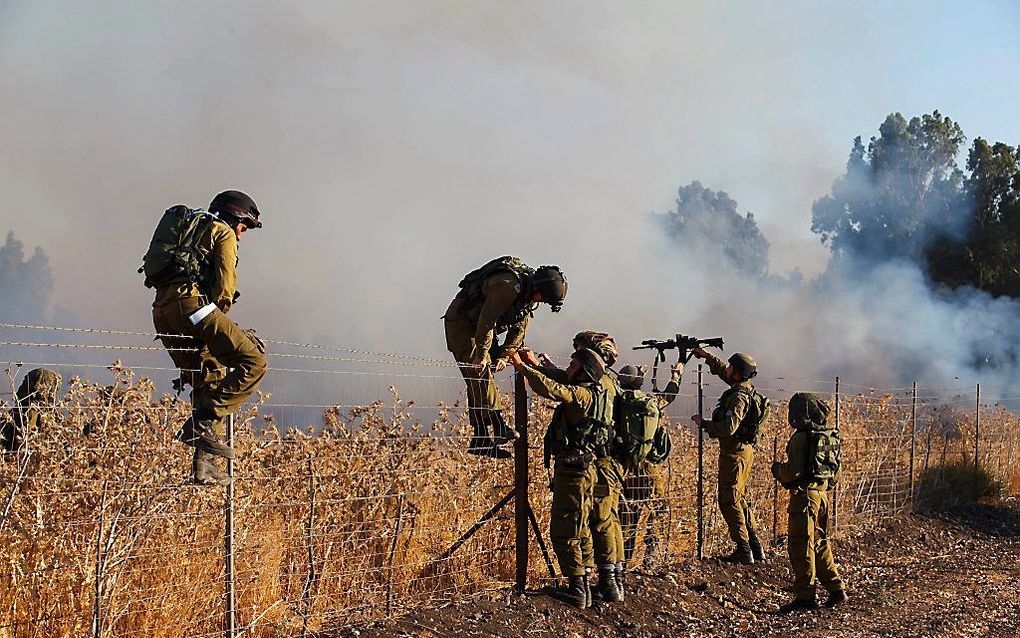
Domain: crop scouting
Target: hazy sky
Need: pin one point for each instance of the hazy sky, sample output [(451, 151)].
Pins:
[(395, 145)]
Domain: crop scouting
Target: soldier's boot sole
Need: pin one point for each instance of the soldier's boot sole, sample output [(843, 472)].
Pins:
[(799, 605)]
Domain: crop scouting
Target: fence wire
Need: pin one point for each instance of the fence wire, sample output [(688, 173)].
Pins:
[(353, 483)]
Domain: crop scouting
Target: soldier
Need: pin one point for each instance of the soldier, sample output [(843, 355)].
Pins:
[(730, 420), (578, 434), (36, 395), (604, 519), (192, 265), (810, 470), (645, 488), (498, 297)]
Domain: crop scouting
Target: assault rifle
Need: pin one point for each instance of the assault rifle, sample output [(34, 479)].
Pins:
[(681, 343)]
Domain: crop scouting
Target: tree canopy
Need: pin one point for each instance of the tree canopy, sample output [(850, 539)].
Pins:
[(25, 285)]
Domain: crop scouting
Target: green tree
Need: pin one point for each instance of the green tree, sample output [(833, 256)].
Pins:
[(25, 285), (898, 194), (988, 256), (710, 219)]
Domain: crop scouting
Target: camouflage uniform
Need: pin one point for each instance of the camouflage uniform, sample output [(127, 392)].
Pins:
[(36, 394), (647, 490), (471, 329), (808, 544), (735, 457), (574, 473), (216, 358)]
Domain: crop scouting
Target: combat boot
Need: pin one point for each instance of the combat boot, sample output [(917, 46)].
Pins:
[(576, 592), (741, 554), (799, 604), (621, 578), (481, 444), (204, 470), (501, 432), (609, 591), (199, 431), (837, 597), (756, 549)]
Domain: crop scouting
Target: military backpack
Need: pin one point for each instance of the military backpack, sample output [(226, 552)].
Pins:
[(637, 421), (590, 436), (758, 411), (823, 461), (174, 255), (471, 287)]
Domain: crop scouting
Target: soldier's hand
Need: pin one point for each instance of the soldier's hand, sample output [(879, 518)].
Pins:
[(678, 369), (545, 360), (499, 365), (256, 340), (528, 356), (515, 360), (699, 352), (697, 420)]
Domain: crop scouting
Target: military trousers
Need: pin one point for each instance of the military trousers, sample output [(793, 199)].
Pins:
[(644, 496), (215, 357), (482, 392), (607, 535), (573, 487), (808, 544), (734, 473)]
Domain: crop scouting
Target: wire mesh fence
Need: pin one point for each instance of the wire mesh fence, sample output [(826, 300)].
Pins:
[(353, 496)]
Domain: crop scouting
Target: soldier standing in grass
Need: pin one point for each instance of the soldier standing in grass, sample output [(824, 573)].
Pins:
[(645, 487), (579, 433), (192, 264), (736, 423), (33, 406), (811, 468), (498, 297)]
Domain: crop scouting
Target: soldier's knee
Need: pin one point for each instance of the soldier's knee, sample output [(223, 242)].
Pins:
[(728, 496)]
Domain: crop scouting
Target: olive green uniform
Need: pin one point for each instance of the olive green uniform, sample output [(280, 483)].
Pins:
[(216, 358), (735, 457), (35, 397), (646, 489), (574, 475), (471, 329), (808, 524)]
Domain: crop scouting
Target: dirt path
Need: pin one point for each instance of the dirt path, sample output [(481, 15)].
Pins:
[(956, 574)]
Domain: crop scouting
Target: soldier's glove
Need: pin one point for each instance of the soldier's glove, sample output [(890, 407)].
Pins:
[(256, 340)]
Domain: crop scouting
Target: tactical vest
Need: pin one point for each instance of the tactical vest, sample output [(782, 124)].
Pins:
[(637, 421), (823, 454), (589, 436), (758, 410), (174, 255), (471, 290)]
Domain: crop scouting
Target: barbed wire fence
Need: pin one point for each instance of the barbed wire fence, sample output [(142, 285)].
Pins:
[(353, 498)]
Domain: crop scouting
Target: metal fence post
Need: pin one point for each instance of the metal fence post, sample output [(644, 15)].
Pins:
[(522, 503), (835, 488), (701, 464), (775, 492), (228, 541), (913, 440), (977, 427)]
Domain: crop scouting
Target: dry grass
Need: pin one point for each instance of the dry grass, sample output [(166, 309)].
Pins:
[(345, 523)]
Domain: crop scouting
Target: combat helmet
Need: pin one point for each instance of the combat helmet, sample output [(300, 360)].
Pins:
[(601, 342), (237, 207), (808, 409), (552, 283), (632, 377), (744, 364)]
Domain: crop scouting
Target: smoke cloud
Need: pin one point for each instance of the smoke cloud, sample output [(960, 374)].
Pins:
[(395, 147)]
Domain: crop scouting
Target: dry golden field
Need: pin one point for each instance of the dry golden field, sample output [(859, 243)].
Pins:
[(345, 523)]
